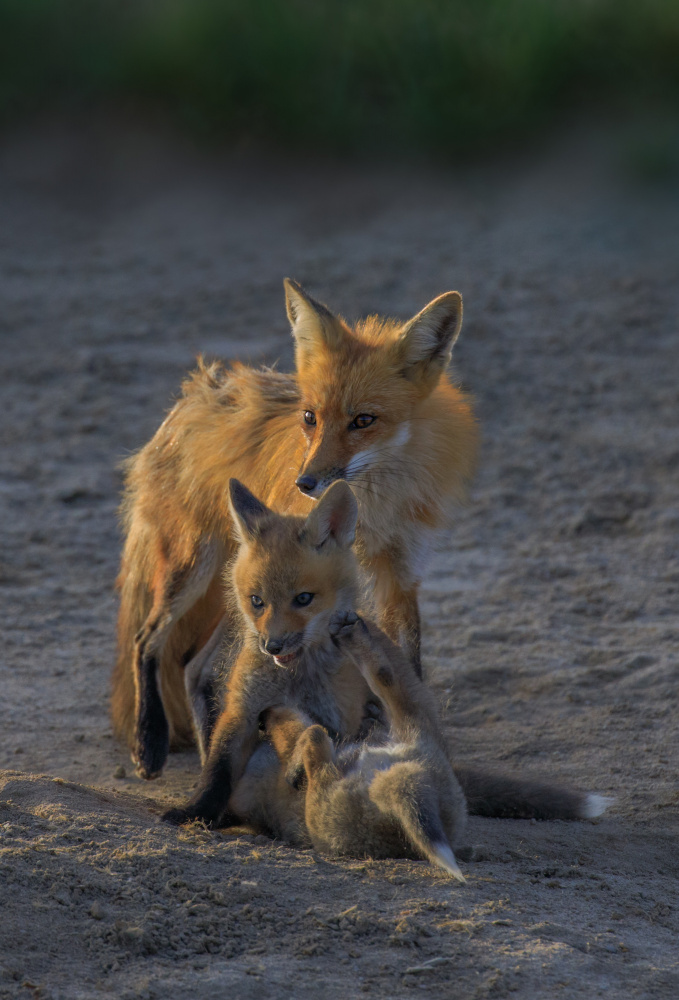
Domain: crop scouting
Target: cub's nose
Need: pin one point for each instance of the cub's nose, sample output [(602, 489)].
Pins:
[(306, 483), (273, 646)]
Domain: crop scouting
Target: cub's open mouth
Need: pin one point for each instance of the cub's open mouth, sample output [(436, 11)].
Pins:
[(282, 661)]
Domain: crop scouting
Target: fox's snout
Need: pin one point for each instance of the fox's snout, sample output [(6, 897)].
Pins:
[(306, 483), (273, 646), (282, 644)]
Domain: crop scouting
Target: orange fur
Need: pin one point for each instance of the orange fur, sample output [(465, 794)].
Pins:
[(405, 468)]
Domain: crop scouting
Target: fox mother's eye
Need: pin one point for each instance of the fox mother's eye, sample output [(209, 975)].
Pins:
[(309, 417), (303, 599), (257, 602), (361, 421)]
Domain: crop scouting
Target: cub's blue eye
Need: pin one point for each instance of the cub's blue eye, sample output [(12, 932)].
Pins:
[(303, 599), (361, 421), (309, 417), (257, 602)]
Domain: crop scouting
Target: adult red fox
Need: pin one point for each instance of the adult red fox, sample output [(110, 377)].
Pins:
[(309, 667), (370, 404)]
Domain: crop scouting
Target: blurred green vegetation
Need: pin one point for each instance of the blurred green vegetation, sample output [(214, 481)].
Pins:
[(434, 75)]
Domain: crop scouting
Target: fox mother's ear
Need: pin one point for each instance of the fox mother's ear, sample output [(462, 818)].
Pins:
[(313, 326), (247, 511), (426, 341), (333, 518)]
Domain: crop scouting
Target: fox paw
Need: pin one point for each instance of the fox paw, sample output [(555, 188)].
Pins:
[(151, 748), (296, 775), (342, 624), (149, 765), (181, 816), (178, 817)]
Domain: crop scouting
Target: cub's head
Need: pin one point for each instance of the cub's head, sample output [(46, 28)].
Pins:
[(362, 387), (291, 574)]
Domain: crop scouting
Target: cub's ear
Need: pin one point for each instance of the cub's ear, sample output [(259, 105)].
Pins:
[(333, 518), (247, 511), (426, 342), (313, 326)]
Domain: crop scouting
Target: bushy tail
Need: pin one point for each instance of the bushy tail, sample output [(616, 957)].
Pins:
[(505, 797), (404, 794)]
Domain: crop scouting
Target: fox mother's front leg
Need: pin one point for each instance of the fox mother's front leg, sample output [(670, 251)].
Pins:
[(398, 610)]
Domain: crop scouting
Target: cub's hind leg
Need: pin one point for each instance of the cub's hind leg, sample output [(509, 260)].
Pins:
[(284, 726), (409, 798), (316, 753)]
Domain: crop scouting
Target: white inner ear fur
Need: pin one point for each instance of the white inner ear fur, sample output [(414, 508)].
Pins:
[(312, 324), (335, 516), (433, 332)]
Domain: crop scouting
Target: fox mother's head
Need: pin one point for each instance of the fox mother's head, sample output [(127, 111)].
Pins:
[(365, 389)]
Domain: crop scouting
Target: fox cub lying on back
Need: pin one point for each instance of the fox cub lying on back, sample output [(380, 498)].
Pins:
[(306, 657), (395, 796)]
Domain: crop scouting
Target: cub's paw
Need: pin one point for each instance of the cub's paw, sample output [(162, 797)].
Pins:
[(178, 817), (181, 816), (342, 625), (296, 775)]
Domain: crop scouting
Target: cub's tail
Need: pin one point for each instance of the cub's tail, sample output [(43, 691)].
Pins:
[(403, 793), (505, 797)]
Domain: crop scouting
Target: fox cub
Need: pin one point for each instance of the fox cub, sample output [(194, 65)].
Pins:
[(371, 404), (292, 579), (395, 795), (312, 673), (390, 797)]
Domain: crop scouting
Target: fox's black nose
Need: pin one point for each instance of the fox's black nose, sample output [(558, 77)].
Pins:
[(273, 646), (306, 483)]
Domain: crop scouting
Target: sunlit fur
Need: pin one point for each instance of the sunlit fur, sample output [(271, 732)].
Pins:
[(281, 560), (416, 458), (389, 790), (397, 797)]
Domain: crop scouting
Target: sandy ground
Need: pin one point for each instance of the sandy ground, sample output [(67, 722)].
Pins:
[(550, 611)]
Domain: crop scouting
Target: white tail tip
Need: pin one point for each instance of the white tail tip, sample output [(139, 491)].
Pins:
[(595, 805), (442, 856)]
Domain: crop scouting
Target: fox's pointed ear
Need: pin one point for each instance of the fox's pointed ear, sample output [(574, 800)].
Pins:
[(426, 341), (247, 511), (313, 325), (334, 517)]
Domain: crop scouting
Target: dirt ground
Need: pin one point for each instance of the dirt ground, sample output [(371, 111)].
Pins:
[(551, 620)]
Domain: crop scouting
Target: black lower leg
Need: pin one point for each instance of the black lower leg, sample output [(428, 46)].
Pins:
[(152, 738), (210, 801)]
